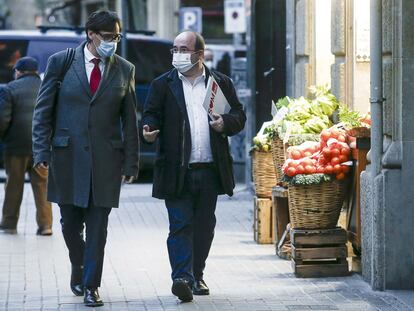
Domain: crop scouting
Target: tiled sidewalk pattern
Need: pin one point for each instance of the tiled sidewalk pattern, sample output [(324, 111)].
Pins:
[(243, 276)]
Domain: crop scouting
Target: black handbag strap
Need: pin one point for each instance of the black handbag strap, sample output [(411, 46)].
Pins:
[(69, 56)]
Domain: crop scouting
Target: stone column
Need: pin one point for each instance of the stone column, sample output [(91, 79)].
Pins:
[(388, 255), (304, 47), (338, 49), (162, 17)]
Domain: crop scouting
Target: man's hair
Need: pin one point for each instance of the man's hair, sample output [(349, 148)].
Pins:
[(199, 42), (102, 20)]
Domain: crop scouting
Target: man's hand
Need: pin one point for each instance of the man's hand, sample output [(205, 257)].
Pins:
[(149, 136), (217, 124), (127, 179)]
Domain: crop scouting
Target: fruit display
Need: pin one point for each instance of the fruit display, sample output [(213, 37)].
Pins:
[(330, 156)]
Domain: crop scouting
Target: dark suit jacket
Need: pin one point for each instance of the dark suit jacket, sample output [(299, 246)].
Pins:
[(88, 140), (17, 102), (165, 109)]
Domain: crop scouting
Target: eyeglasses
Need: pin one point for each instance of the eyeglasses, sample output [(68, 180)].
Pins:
[(110, 37), (183, 50)]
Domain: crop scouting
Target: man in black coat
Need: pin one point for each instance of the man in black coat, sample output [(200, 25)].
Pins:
[(17, 102), (193, 164), (89, 138)]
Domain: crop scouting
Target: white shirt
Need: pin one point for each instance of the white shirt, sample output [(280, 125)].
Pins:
[(89, 65), (199, 124)]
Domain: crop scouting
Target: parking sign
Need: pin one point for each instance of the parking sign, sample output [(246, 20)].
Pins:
[(191, 19)]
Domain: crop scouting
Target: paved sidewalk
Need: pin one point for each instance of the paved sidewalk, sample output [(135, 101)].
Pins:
[(243, 276)]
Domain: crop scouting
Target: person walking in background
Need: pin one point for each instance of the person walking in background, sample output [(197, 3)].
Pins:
[(193, 164), (88, 137), (17, 102)]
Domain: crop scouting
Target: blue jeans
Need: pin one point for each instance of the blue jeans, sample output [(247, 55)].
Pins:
[(192, 223)]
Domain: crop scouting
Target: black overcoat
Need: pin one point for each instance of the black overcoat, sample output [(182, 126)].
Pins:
[(165, 109)]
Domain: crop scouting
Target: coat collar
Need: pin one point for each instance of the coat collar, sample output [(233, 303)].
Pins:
[(78, 64), (176, 86)]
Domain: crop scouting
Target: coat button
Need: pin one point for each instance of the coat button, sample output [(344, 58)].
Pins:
[(86, 148)]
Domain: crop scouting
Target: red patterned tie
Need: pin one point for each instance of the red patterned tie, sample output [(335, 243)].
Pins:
[(95, 75)]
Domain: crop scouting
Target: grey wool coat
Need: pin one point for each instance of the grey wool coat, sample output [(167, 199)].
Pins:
[(88, 141)]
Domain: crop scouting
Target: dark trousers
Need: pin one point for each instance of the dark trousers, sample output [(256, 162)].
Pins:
[(192, 223), (89, 253), (16, 167)]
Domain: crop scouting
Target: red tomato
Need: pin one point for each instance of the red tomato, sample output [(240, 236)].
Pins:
[(322, 144), (346, 151), (300, 169), (335, 160), (337, 168), (328, 169), (320, 170), (307, 154), (327, 152), (343, 158), (335, 133), (340, 176), (292, 164), (306, 161), (310, 169), (291, 171), (335, 152), (296, 154), (341, 138), (325, 135), (322, 160)]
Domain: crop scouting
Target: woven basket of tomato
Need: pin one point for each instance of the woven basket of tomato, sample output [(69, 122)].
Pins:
[(318, 182)]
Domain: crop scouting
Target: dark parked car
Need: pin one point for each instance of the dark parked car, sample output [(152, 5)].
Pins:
[(150, 55)]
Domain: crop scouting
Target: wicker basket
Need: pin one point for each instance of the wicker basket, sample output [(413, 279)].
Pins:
[(264, 177), (278, 155), (316, 206)]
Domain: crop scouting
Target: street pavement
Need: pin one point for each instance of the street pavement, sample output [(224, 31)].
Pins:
[(242, 276)]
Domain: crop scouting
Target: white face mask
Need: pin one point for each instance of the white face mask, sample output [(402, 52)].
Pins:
[(106, 49), (182, 61)]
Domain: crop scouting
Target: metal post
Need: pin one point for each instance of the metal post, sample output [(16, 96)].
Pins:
[(125, 22), (378, 250)]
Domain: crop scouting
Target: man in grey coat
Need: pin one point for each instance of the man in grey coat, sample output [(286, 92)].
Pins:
[(89, 138)]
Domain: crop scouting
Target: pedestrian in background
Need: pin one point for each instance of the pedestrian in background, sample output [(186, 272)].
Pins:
[(17, 102), (193, 164), (89, 139)]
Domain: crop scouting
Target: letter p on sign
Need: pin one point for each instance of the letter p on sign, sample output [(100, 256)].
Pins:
[(190, 19)]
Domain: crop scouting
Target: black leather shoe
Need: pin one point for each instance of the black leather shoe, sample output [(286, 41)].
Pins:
[(92, 298), (182, 289), (200, 288), (76, 280)]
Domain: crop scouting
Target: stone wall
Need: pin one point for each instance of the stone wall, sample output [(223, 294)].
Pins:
[(388, 249)]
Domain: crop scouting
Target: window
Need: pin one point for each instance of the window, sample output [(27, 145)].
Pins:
[(43, 49), (150, 58), (10, 52)]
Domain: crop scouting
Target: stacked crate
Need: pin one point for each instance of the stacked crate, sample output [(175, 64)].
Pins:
[(319, 253)]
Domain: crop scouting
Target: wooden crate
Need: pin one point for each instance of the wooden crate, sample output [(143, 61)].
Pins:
[(280, 211), (319, 253), (263, 221)]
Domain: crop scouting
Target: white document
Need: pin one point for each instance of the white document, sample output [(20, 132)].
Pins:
[(215, 101)]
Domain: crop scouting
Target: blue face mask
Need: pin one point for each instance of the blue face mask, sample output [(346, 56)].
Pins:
[(106, 49)]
